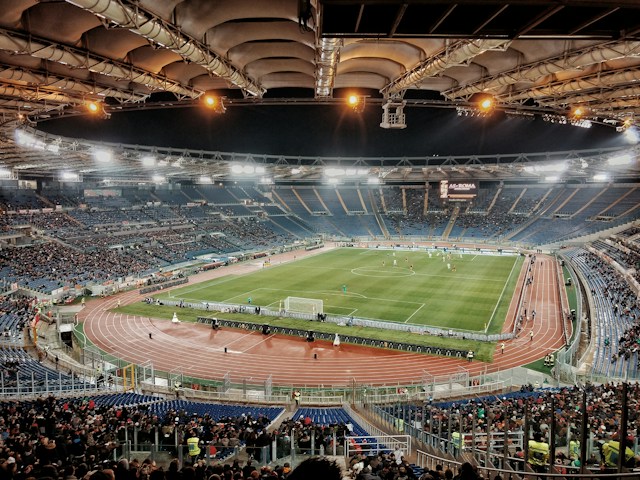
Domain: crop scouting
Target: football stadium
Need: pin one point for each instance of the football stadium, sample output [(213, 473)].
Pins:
[(319, 239)]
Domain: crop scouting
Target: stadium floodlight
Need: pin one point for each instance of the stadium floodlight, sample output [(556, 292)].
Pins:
[(69, 177), (356, 102), (236, 168), (102, 155), (295, 171), (260, 170), (53, 148), (205, 179), (334, 172), (158, 179), (600, 177), (631, 135), (248, 169), (546, 168), (148, 160), (552, 178), (351, 172), (620, 160)]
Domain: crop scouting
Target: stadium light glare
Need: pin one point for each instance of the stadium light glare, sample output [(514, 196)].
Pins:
[(620, 160), (373, 181), (356, 102), (237, 168), (334, 172), (69, 177), (295, 171), (547, 168), (552, 178), (214, 102), (260, 170), (600, 177), (351, 171), (148, 161), (5, 173), (248, 169), (158, 179), (333, 181), (486, 104), (103, 156), (205, 179), (631, 135)]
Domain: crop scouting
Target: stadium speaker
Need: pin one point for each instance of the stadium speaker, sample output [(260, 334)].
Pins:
[(310, 336)]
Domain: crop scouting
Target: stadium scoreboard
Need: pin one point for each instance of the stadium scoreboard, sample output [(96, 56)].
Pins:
[(459, 191)]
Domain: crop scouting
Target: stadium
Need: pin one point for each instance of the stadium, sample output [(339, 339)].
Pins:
[(367, 239)]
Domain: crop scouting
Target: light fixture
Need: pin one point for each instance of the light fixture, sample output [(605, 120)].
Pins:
[(620, 160), (486, 104), (148, 161), (356, 102), (546, 168), (600, 177), (631, 135), (97, 109), (103, 156), (70, 177), (214, 103), (578, 112)]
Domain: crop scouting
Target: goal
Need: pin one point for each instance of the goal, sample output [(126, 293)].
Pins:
[(303, 305)]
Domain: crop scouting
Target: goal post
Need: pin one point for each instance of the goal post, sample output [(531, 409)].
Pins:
[(303, 305)]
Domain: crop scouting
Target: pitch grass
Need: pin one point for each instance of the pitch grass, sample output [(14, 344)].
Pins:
[(418, 290)]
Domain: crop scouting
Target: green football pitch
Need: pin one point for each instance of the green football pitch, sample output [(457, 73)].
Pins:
[(473, 294)]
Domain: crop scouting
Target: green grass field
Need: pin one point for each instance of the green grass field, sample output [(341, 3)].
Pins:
[(477, 293)]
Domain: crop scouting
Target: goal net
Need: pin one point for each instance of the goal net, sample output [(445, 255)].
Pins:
[(303, 305)]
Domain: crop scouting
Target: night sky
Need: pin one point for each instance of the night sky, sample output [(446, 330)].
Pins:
[(333, 130)]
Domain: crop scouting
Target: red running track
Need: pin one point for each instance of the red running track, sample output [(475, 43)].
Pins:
[(197, 350)]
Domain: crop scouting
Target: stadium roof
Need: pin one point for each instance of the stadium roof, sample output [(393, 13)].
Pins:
[(533, 57)]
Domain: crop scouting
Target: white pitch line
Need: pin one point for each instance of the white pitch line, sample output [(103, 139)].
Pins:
[(417, 310)]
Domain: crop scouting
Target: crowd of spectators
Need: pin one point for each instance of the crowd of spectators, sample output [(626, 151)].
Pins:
[(624, 302), (52, 263), (497, 413), (81, 438)]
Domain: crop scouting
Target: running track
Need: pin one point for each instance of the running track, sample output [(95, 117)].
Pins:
[(197, 350)]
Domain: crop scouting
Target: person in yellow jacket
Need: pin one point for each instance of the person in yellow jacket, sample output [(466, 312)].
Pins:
[(538, 453), (456, 439), (611, 450), (574, 449), (193, 444)]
